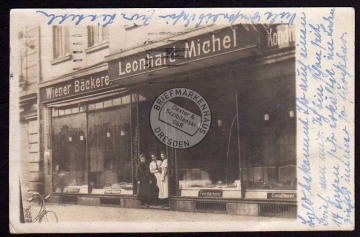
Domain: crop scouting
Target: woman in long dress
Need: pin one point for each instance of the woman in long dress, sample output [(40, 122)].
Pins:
[(164, 190), (155, 169), (143, 177)]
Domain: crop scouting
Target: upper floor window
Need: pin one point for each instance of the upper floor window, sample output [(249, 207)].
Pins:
[(97, 35), (61, 41)]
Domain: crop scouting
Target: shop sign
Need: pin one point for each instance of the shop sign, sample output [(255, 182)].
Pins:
[(210, 193), (77, 86), (112, 191), (72, 190), (286, 196), (280, 36), (181, 52)]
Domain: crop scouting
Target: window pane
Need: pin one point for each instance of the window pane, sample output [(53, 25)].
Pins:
[(94, 35), (75, 110), (126, 99), (68, 111), (134, 97), (82, 108), (69, 154), (141, 98), (99, 105), (108, 103), (109, 152), (90, 36), (117, 101), (213, 164), (56, 41), (61, 41), (55, 112), (105, 33), (91, 106), (66, 45)]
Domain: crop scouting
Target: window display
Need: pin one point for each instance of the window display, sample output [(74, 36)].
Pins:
[(211, 168), (109, 151), (91, 148), (267, 142), (69, 154)]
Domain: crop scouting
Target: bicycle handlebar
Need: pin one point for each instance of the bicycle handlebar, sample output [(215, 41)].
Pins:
[(34, 193)]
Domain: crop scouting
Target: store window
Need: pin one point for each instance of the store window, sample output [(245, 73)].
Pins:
[(270, 128), (211, 168), (97, 35), (69, 152), (61, 38), (109, 151), (92, 148)]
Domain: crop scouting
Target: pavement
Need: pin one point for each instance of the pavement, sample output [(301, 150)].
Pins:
[(80, 213), (80, 218)]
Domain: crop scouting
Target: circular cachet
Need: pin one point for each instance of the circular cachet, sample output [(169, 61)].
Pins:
[(180, 118)]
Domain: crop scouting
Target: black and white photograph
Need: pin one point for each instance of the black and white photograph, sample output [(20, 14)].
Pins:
[(167, 120)]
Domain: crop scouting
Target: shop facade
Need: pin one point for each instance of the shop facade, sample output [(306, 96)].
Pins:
[(97, 124)]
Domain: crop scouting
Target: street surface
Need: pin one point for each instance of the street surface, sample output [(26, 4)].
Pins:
[(80, 213), (79, 218)]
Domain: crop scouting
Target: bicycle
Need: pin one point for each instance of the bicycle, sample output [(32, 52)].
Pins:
[(43, 215)]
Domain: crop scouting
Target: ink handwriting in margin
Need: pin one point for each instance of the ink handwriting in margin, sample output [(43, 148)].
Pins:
[(104, 19), (325, 110), (184, 18)]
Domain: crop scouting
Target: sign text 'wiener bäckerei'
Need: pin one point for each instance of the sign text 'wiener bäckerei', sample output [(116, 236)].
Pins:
[(75, 86)]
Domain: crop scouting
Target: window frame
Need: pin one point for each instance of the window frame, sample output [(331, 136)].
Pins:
[(97, 35), (61, 42)]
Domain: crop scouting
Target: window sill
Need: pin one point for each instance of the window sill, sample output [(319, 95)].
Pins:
[(97, 47), (61, 59)]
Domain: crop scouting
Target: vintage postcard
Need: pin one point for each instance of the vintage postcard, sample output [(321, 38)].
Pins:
[(181, 120)]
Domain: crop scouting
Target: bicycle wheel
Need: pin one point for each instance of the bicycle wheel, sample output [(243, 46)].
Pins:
[(49, 217)]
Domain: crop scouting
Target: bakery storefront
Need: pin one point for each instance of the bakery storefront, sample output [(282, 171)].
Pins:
[(99, 123), (87, 136), (246, 164)]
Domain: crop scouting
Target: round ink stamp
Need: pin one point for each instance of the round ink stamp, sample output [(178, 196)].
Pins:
[(180, 118)]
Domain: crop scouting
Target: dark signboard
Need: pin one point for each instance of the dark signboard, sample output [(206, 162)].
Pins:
[(193, 49), (76, 86), (213, 45), (284, 196), (210, 193), (277, 36)]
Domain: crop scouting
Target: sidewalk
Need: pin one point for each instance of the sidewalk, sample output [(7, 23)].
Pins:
[(80, 213), (103, 219)]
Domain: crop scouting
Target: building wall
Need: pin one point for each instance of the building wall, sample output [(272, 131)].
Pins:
[(30, 170), (78, 49), (129, 37), (37, 65), (79, 58)]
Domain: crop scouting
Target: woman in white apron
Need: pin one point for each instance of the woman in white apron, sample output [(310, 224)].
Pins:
[(155, 169), (164, 190)]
